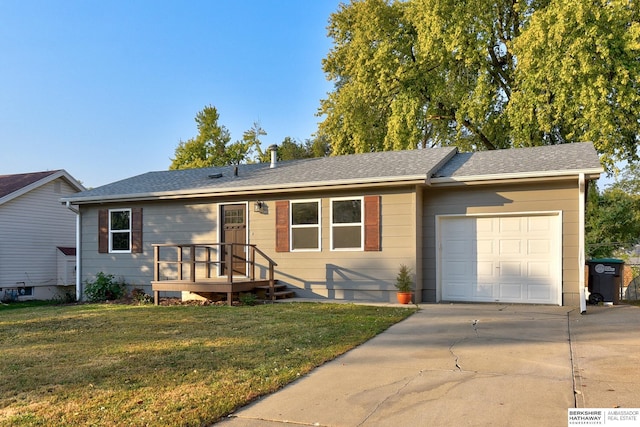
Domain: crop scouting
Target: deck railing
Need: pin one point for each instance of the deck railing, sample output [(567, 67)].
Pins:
[(207, 262)]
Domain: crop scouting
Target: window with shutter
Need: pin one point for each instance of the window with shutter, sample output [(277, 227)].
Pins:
[(120, 230), (372, 223), (282, 226)]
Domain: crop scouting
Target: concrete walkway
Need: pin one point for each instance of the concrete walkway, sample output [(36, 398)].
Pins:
[(469, 364)]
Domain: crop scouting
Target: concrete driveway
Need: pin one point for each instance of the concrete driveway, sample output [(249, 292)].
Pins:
[(469, 364)]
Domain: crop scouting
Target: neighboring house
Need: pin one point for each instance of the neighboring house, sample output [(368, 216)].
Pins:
[(37, 235), (495, 226)]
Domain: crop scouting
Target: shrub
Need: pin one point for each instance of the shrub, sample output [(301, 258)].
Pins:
[(104, 288), (247, 298), (140, 296), (404, 283)]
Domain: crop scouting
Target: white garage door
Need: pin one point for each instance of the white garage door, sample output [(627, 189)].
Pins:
[(514, 259)]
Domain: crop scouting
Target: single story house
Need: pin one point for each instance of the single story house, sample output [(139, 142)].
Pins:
[(37, 235), (493, 226)]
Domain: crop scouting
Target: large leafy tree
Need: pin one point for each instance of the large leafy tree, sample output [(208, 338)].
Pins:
[(208, 148), (212, 146), (483, 74), (613, 216)]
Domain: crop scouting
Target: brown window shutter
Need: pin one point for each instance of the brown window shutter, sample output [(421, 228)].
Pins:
[(372, 223), (282, 226), (103, 231), (136, 230)]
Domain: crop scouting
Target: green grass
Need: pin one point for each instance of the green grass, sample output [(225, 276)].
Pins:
[(118, 365)]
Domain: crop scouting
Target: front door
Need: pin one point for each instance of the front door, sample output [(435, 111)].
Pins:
[(234, 230)]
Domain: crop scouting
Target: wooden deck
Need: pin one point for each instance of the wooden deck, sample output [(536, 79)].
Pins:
[(193, 265), (216, 286)]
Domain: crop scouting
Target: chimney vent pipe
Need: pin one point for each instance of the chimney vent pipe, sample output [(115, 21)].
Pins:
[(274, 155)]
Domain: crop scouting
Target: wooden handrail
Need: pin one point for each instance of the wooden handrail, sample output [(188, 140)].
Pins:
[(227, 261)]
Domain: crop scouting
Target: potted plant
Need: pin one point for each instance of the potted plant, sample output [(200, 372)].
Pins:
[(404, 284)]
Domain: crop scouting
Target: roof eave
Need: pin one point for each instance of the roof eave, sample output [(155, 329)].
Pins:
[(27, 188), (235, 191), (590, 174)]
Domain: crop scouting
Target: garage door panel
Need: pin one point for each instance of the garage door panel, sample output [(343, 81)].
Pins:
[(511, 292), (510, 247), (486, 269), (484, 291), (482, 225), (458, 291), (539, 224), (483, 247), (503, 258), (540, 292), (510, 224), (539, 269), (538, 246), (510, 269)]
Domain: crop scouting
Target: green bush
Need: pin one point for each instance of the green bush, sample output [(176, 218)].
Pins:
[(140, 296), (248, 298), (104, 288)]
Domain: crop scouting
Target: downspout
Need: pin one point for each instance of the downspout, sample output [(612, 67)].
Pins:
[(78, 250), (582, 194)]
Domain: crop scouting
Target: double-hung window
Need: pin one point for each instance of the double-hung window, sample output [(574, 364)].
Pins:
[(305, 225), (120, 230), (347, 224)]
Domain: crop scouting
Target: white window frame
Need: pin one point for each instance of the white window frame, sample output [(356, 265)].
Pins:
[(300, 226), (111, 231), (332, 226)]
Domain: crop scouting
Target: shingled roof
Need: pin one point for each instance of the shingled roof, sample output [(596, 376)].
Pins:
[(13, 186), (429, 166), (543, 161), (390, 166), (12, 183)]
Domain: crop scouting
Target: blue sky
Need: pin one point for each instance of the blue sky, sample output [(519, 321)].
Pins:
[(107, 89)]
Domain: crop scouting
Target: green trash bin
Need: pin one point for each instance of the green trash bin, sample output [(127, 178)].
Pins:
[(605, 278)]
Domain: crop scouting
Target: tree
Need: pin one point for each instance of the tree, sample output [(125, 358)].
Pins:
[(212, 148), (206, 149), (483, 74), (613, 216)]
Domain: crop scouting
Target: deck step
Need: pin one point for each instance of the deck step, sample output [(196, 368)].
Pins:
[(283, 294), (280, 291)]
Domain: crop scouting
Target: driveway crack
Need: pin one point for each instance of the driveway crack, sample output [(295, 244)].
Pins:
[(397, 392), (456, 358)]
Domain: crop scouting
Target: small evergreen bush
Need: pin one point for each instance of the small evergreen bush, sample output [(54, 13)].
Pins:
[(404, 282)]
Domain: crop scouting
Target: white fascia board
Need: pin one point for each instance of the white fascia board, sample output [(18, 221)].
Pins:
[(27, 188), (275, 188), (515, 176)]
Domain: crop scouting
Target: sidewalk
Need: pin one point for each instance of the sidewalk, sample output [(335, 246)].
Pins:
[(469, 364)]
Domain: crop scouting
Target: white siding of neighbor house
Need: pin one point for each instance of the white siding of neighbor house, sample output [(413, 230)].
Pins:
[(349, 275), (31, 227)]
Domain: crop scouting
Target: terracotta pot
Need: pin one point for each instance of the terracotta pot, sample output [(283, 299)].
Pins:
[(404, 297)]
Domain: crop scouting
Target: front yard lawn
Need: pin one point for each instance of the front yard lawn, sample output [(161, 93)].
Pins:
[(99, 364)]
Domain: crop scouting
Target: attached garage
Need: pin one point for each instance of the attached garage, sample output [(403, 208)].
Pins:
[(503, 258)]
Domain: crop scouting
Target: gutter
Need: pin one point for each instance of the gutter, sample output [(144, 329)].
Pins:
[(274, 188), (588, 173), (78, 250)]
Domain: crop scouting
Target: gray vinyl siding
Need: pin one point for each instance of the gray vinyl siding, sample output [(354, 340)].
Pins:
[(31, 227), (500, 199), (163, 222), (346, 275), (350, 275)]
